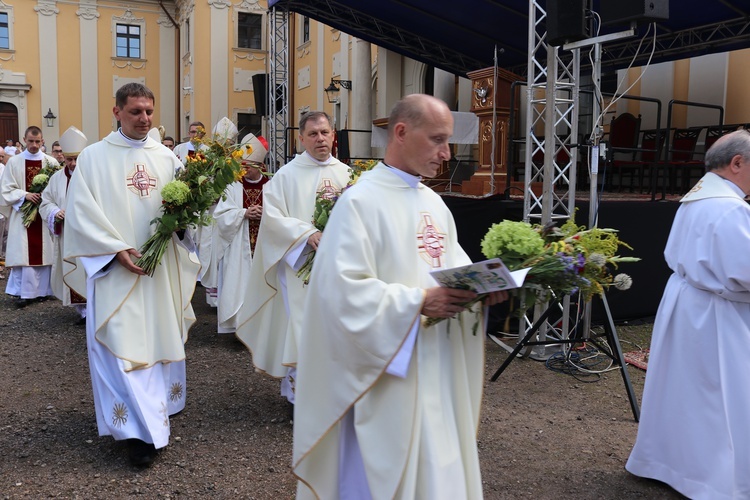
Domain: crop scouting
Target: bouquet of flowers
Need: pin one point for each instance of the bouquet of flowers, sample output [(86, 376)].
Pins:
[(188, 197), (324, 203), (30, 210), (565, 260)]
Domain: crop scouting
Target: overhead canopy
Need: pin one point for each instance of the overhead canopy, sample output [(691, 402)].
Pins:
[(461, 36)]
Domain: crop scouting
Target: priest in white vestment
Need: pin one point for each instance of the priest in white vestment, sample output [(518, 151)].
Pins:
[(385, 407), (136, 325), (29, 252), (270, 321), (3, 219), (52, 211), (207, 237), (237, 223), (694, 434)]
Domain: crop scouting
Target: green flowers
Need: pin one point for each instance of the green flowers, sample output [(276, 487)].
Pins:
[(40, 180), (514, 241), (175, 192)]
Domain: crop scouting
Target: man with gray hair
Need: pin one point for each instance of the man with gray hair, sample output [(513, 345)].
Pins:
[(693, 434)]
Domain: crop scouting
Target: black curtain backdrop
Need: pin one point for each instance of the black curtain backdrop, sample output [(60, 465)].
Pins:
[(643, 225)]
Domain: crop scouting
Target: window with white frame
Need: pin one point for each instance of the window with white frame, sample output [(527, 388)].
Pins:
[(6, 29), (128, 40), (249, 31), (305, 34)]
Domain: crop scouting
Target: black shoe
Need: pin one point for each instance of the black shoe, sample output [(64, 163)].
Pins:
[(140, 453), (81, 322), (21, 303), (290, 411)]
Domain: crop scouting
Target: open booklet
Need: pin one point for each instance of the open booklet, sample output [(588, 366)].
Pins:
[(481, 277)]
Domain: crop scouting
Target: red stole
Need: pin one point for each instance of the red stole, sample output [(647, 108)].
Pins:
[(34, 231), (253, 195)]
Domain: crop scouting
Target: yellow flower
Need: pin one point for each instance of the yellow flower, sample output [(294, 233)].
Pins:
[(248, 148), (237, 154)]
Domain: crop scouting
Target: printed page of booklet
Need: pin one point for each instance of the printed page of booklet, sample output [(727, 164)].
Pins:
[(482, 277)]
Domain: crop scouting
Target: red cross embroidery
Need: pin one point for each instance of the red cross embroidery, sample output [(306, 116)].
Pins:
[(328, 190), (430, 241), (140, 182)]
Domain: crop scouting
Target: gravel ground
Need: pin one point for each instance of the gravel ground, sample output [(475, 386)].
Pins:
[(543, 434)]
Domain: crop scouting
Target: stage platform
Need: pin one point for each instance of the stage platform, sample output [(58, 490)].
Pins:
[(642, 223)]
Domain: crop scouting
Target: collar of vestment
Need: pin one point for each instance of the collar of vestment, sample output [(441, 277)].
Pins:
[(133, 143), (38, 156), (712, 185), (119, 139), (318, 162), (412, 180)]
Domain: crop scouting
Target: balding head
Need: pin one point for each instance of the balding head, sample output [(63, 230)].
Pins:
[(418, 131)]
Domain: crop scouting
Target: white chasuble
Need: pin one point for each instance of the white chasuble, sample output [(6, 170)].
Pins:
[(30, 246), (693, 432), (234, 246), (54, 199), (288, 204), (114, 192), (416, 435)]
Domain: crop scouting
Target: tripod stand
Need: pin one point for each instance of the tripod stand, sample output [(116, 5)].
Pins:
[(576, 337)]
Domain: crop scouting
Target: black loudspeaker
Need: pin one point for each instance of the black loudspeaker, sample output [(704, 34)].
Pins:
[(624, 11), (260, 90), (566, 21)]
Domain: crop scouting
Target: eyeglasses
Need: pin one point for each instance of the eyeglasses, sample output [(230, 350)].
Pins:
[(57, 150)]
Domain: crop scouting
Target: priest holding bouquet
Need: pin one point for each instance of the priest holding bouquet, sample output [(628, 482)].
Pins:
[(136, 323)]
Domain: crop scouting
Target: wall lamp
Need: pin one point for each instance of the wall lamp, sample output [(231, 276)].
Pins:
[(332, 91), (50, 117)]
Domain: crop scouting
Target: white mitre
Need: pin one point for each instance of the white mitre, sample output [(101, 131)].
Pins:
[(258, 151), (225, 131), (155, 134), (72, 142)]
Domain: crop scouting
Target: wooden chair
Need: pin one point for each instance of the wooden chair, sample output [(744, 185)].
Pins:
[(623, 147), (651, 154), (681, 158)]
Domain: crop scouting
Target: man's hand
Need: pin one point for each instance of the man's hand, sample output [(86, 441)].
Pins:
[(314, 240), (123, 257), (34, 198), (60, 215), (254, 212), (441, 302)]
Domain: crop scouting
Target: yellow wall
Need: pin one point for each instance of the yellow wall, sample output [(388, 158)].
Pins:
[(26, 60), (68, 68), (680, 92), (738, 104)]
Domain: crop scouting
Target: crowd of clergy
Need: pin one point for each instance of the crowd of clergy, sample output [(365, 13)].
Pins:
[(383, 406)]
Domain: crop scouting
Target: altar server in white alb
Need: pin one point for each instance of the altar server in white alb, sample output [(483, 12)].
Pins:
[(270, 321), (694, 434), (52, 210), (237, 223), (29, 251), (136, 325), (387, 408)]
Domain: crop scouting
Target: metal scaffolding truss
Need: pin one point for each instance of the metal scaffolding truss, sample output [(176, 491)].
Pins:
[(731, 33), (551, 110), (277, 102)]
